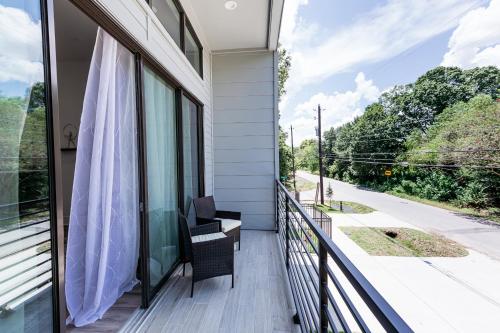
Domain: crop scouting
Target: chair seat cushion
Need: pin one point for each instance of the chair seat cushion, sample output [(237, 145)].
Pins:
[(207, 237), (228, 224)]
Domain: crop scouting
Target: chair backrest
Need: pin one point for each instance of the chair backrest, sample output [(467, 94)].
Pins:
[(205, 207), (187, 243)]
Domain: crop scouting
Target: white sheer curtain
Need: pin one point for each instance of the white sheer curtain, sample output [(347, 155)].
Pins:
[(103, 240)]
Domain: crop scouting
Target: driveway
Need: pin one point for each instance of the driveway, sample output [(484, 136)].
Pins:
[(465, 230)]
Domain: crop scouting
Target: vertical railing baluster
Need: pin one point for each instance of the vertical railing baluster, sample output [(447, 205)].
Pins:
[(277, 207), (287, 231), (323, 288)]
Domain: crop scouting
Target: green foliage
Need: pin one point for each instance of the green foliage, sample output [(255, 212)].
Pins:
[(284, 64), (285, 154), (307, 156), (285, 151), (448, 116), (23, 148)]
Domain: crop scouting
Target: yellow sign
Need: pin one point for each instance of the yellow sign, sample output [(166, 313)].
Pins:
[(388, 173)]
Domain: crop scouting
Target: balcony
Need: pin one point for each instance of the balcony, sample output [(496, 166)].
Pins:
[(259, 301), (295, 279)]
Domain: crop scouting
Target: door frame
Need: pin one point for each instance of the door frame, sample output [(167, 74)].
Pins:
[(54, 165), (142, 56)]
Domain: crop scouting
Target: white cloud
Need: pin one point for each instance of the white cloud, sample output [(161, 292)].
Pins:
[(339, 108), (476, 40), (382, 33), (20, 46), (291, 25)]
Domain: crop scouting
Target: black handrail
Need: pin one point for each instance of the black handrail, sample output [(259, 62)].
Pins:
[(304, 243)]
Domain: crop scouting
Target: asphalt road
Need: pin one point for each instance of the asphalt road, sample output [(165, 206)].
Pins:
[(463, 229)]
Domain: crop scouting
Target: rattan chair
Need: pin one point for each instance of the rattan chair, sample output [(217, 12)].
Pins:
[(230, 222), (210, 251)]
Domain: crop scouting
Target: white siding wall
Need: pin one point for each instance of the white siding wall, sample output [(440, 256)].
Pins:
[(244, 136), (137, 18)]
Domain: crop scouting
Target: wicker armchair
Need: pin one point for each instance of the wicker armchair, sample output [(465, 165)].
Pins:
[(230, 222), (210, 252)]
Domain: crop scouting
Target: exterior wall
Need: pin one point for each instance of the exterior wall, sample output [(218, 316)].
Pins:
[(139, 20), (244, 135)]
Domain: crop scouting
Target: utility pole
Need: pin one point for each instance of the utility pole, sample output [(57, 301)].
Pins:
[(293, 160), (320, 151)]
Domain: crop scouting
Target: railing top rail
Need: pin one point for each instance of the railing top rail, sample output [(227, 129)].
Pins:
[(384, 312)]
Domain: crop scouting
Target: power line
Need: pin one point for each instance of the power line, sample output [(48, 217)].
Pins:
[(407, 164)]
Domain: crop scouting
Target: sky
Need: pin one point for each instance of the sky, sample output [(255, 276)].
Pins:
[(21, 56), (346, 53)]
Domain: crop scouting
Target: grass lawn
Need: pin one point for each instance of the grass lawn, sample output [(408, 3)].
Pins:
[(403, 242), (348, 206), (490, 214), (302, 184)]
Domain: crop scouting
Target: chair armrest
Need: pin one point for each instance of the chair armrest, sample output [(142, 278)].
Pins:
[(208, 228), (224, 214), (216, 248), (202, 220)]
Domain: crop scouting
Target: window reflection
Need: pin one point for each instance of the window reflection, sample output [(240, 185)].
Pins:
[(25, 259), (192, 51), (169, 16)]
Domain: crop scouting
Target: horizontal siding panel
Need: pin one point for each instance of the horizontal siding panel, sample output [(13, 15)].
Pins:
[(258, 222), (236, 62), (244, 136), (235, 182), (243, 102), (243, 129), (243, 116), (245, 75), (244, 89), (244, 194), (248, 155), (244, 142), (249, 207), (244, 169)]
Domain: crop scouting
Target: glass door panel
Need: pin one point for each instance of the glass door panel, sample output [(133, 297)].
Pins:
[(162, 187), (26, 303), (190, 156)]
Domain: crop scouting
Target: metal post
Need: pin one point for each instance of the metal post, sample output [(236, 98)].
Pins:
[(287, 231), (320, 151), (323, 288)]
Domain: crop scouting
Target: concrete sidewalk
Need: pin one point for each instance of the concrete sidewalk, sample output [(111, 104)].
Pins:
[(431, 294)]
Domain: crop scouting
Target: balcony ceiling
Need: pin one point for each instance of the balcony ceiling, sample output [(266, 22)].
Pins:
[(246, 27)]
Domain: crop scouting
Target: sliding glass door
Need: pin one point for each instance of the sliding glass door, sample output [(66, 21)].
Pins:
[(161, 178), (26, 303), (191, 155)]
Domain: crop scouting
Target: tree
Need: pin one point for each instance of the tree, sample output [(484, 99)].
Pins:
[(329, 193), (307, 155), (285, 152), (284, 64)]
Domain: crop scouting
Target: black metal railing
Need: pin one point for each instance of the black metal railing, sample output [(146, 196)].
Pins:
[(320, 217), (330, 293)]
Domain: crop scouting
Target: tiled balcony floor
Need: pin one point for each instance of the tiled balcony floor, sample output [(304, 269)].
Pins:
[(258, 302)]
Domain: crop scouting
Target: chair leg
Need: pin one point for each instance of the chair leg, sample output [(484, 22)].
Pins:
[(192, 287), (184, 269), (232, 280), (239, 244)]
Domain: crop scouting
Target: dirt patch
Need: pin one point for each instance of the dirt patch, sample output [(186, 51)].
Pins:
[(403, 242)]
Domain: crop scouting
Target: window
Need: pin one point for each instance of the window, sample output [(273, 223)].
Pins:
[(193, 49), (170, 16), (25, 222)]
